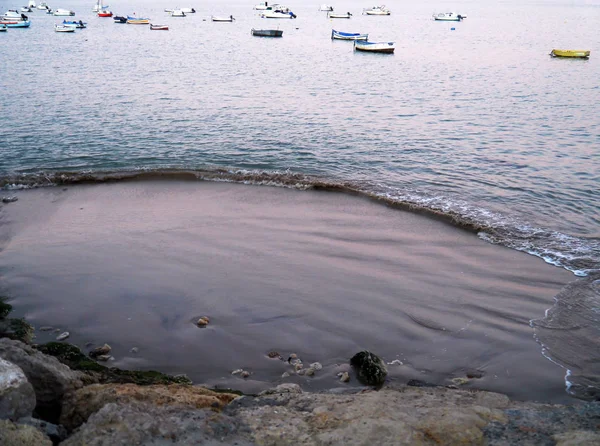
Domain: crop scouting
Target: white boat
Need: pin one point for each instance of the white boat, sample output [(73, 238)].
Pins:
[(31, 3), (43, 5), (374, 47), (448, 17), (278, 15), (64, 29), (63, 12), (377, 10), (222, 19), (188, 10), (177, 13), (26, 9), (338, 35), (3, 27), (325, 7), (334, 15)]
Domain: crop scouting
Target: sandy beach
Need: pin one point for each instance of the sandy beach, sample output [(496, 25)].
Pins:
[(320, 274)]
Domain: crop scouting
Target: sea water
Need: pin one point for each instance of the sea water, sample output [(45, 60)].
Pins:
[(478, 125)]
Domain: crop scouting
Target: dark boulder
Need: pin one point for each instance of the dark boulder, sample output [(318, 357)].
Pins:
[(370, 369)]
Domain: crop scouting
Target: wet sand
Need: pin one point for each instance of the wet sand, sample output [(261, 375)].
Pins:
[(320, 274)]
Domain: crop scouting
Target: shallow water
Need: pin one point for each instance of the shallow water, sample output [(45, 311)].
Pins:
[(477, 124), (320, 274)]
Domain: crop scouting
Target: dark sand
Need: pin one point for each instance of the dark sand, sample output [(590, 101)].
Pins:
[(321, 274)]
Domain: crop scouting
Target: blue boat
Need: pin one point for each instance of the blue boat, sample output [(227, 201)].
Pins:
[(18, 24), (78, 24), (348, 36)]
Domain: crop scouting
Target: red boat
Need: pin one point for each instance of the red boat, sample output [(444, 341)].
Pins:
[(159, 27), (105, 14)]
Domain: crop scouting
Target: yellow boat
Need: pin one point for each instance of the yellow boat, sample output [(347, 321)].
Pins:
[(581, 54)]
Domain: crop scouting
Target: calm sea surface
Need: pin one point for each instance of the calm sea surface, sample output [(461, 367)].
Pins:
[(478, 123)]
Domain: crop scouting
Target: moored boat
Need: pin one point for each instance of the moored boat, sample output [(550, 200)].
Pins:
[(188, 10), (64, 29), (377, 10), (338, 35), (63, 12), (222, 19), (325, 7), (159, 27), (261, 6), (26, 9), (574, 54), (77, 24), (278, 15), (105, 14), (177, 13), (3, 28), (374, 47), (336, 15), (137, 20), (266, 32), (43, 5), (14, 19), (448, 17), (16, 24)]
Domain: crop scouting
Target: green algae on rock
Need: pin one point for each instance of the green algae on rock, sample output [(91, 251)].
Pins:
[(370, 369), (5, 308), (73, 357), (16, 329)]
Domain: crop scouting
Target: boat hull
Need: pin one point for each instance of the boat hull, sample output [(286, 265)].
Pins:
[(573, 54), (64, 29), (3, 28), (339, 16), (222, 19), (12, 24), (375, 47), (278, 15), (267, 32), (337, 35), (138, 21), (159, 27)]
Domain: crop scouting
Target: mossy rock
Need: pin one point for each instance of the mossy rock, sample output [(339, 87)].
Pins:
[(5, 308), (17, 329), (370, 368), (73, 357)]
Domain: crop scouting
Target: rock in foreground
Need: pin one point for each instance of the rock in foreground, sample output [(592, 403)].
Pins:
[(370, 369)]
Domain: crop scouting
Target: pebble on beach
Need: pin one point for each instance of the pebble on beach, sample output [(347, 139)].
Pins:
[(203, 321), (316, 366), (63, 336), (99, 351), (344, 377)]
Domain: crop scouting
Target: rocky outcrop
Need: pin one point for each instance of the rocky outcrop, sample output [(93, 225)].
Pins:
[(17, 434), (50, 379), (146, 424), (55, 432), (370, 368), (17, 398), (81, 404)]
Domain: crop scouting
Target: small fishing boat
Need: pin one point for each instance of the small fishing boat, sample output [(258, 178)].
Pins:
[(448, 17), (159, 27), (119, 19), (63, 12), (188, 10), (325, 7), (177, 13), (574, 54), (222, 19), (43, 5), (64, 29), (3, 28), (334, 15), (266, 32), (105, 14), (137, 20), (31, 4), (377, 10), (16, 24), (374, 47), (278, 15), (338, 35), (26, 9), (77, 24)]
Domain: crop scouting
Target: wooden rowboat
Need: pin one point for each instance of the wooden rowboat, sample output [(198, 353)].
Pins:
[(576, 54), (159, 27), (374, 47), (338, 35), (266, 32)]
